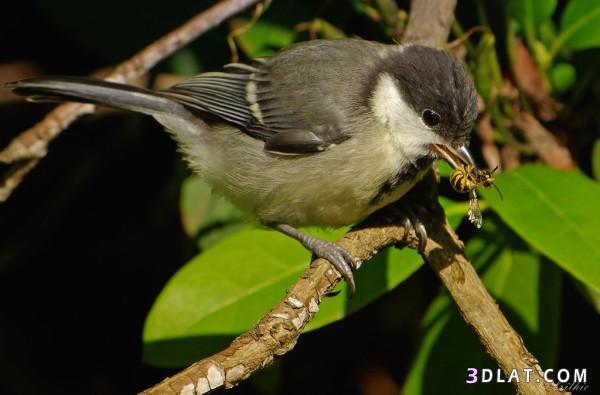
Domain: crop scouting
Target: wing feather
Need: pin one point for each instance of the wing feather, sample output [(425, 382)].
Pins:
[(269, 100)]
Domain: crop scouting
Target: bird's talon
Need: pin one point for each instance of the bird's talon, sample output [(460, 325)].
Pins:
[(341, 260), (411, 220)]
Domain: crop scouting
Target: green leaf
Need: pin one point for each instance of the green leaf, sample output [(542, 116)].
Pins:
[(225, 290), (219, 294), (265, 38), (444, 168), (484, 73), (455, 211), (185, 62), (201, 209), (527, 288), (557, 213), (596, 160), (531, 12), (580, 25), (562, 76)]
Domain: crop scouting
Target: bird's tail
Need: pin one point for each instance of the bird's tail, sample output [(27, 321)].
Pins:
[(88, 90)]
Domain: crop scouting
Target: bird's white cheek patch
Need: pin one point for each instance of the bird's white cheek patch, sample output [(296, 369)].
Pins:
[(407, 129), (386, 99)]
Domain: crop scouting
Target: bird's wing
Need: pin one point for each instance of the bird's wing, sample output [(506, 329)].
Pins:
[(242, 95), (278, 100)]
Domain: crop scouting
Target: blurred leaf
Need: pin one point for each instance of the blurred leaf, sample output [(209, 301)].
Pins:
[(185, 62), (201, 208), (322, 28), (482, 72), (596, 160), (528, 290), (562, 76), (531, 12), (265, 38), (580, 25), (488, 75), (547, 31), (557, 213), (444, 168), (359, 6), (455, 211)]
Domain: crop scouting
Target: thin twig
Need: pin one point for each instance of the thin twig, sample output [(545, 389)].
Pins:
[(530, 80), (429, 22), (14, 178), (545, 144), (277, 331), (32, 145)]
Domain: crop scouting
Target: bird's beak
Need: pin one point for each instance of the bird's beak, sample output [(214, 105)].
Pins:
[(455, 156)]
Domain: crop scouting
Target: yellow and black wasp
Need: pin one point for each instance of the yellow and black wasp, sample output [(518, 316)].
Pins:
[(465, 179)]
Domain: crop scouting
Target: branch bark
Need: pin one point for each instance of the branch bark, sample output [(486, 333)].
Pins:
[(277, 331), (444, 253), (429, 22), (25, 150)]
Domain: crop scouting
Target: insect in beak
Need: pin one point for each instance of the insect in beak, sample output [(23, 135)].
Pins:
[(466, 177), (456, 157)]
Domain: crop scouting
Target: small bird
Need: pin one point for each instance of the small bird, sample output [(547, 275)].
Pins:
[(322, 134)]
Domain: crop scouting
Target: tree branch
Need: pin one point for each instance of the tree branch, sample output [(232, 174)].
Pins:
[(25, 150), (429, 22), (444, 253), (277, 331)]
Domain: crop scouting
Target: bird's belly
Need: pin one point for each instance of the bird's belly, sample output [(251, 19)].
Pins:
[(333, 200), (322, 189)]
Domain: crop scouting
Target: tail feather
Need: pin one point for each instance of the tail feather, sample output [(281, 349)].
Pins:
[(87, 90)]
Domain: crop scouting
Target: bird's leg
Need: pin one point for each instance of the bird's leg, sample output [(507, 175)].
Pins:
[(411, 219), (341, 259), (419, 203)]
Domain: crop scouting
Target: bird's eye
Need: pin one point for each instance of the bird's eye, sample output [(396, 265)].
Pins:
[(431, 118)]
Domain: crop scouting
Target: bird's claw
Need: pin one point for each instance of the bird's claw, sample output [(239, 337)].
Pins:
[(411, 220), (341, 259)]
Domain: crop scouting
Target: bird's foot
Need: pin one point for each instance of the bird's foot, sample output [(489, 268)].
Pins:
[(412, 220), (341, 259)]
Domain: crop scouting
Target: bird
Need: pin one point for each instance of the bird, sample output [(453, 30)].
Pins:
[(323, 133)]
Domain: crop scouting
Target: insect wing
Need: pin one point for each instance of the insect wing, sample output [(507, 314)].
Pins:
[(474, 212)]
